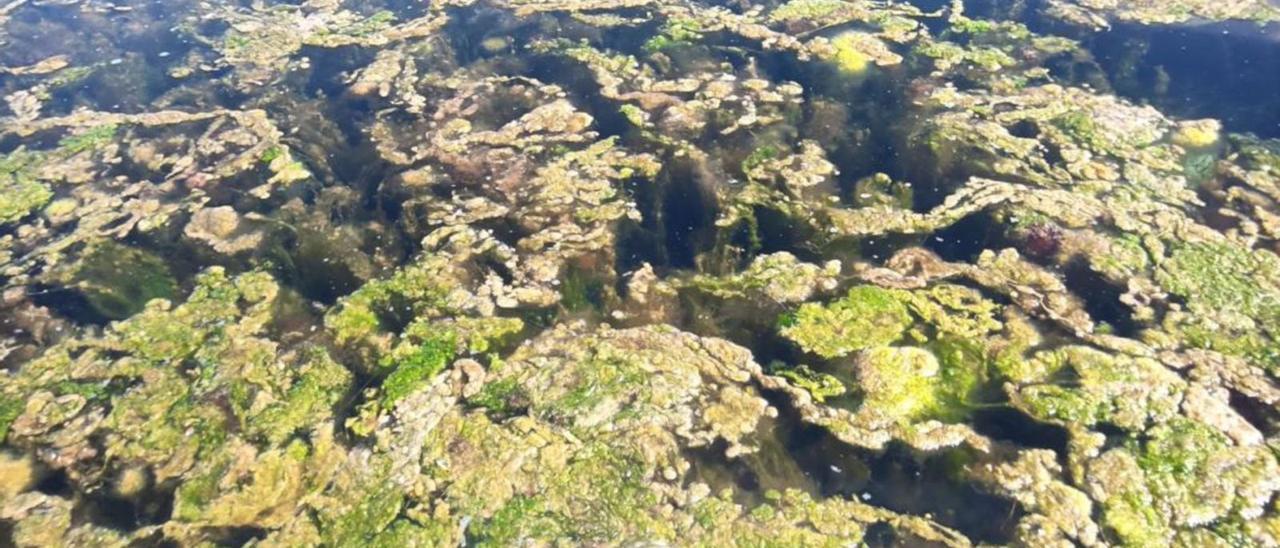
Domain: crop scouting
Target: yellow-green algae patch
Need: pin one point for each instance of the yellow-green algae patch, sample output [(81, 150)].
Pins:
[(359, 273)]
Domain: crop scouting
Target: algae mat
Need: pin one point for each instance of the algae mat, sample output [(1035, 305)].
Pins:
[(640, 272)]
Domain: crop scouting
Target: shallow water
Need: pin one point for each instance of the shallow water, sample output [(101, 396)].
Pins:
[(530, 272)]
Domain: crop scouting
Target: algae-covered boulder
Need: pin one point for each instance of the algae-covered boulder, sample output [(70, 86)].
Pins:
[(1183, 477), (584, 435), (650, 272), (914, 361), (179, 393), (867, 317), (1127, 392)]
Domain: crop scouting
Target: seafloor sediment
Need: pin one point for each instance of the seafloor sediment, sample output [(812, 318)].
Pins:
[(639, 272)]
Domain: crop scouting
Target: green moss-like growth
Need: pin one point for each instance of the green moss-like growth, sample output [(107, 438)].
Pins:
[(20, 192), (819, 385), (10, 408), (371, 25), (415, 366), (849, 58), (901, 383), (867, 317), (183, 391), (476, 336), (520, 518), (965, 370), (1082, 386), (239, 492), (881, 190), (597, 380), (1198, 331), (1224, 279), (776, 277), (950, 54), (88, 140), (407, 532), (759, 157), (1135, 521), (160, 334), (72, 75), (194, 495), (1181, 476), (235, 42), (271, 153), (606, 492), (594, 492), (954, 311), (366, 520), (1081, 126), (364, 317), (321, 384), (498, 397), (789, 518), (163, 420), (1199, 472), (675, 32), (1125, 257)]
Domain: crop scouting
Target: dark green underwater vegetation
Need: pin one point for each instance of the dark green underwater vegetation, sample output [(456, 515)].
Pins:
[(640, 273)]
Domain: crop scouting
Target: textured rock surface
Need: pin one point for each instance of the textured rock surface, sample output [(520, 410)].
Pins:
[(669, 272)]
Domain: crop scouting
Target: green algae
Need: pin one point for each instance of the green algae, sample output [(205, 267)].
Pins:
[(580, 291), (321, 385), (902, 383), (499, 274), (369, 521), (498, 397), (20, 192), (1077, 385), (849, 58), (88, 140), (412, 369), (10, 409), (1224, 279), (363, 316), (1171, 492), (866, 317), (675, 33), (819, 385)]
